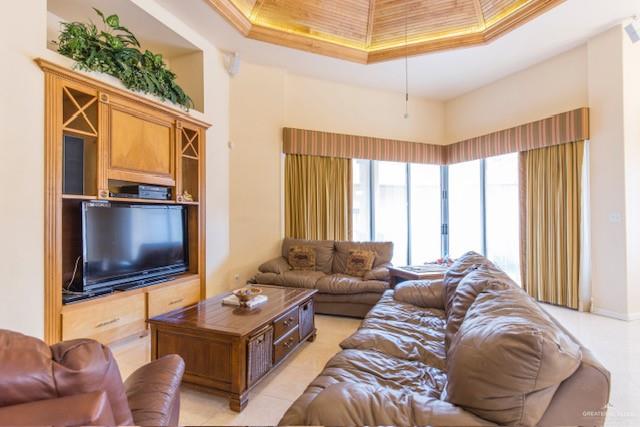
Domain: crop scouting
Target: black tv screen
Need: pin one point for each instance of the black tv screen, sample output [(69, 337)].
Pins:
[(125, 243)]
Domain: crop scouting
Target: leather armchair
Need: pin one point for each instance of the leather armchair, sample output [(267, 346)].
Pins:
[(77, 382)]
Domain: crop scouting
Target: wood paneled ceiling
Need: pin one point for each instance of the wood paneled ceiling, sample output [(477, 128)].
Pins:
[(369, 31)]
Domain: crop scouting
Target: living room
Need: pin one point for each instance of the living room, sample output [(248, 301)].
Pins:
[(428, 143)]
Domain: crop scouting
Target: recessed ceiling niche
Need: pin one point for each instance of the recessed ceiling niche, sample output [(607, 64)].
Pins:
[(183, 58)]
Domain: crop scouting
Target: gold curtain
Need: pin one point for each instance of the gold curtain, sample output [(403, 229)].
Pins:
[(551, 186), (317, 197)]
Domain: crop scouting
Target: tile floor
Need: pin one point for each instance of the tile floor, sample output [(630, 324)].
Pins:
[(615, 343)]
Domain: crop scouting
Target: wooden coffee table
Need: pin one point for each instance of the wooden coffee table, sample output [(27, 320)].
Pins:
[(416, 272), (227, 350)]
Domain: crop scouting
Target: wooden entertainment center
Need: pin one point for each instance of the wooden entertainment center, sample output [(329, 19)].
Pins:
[(125, 139)]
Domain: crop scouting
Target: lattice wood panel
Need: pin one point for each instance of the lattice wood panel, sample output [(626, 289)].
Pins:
[(374, 30)]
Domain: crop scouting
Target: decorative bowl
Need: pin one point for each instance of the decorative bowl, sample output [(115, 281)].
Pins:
[(246, 294)]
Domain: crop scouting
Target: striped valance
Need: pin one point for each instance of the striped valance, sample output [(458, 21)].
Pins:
[(562, 128), (559, 129), (315, 143)]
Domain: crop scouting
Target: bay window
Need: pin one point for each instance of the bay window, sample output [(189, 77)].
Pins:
[(431, 211)]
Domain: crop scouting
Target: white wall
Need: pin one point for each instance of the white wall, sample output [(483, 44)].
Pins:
[(266, 99), (631, 93)]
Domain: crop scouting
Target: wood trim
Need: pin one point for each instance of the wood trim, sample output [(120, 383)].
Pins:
[(53, 209), (366, 55), (232, 14), (308, 44), (109, 90)]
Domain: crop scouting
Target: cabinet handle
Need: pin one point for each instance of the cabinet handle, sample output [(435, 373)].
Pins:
[(108, 322), (176, 301)]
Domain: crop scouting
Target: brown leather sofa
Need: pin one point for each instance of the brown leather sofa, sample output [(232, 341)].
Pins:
[(338, 292), (77, 383), (473, 349)]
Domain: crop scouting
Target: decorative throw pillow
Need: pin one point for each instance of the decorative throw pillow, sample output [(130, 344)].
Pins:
[(359, 262), (302, 258)]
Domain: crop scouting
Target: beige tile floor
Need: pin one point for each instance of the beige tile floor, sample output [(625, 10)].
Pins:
[(615, 343)]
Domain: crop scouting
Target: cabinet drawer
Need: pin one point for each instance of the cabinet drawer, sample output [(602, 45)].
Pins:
[(285, 323), (105, 321), (285, 345), (173, 297)]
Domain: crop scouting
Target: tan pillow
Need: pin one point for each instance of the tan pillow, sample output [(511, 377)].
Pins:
[(483, 278), (508, 359), (359, 262), (458, 271), (302, 258)]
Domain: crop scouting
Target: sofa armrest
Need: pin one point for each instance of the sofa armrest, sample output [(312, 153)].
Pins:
[(153, 392), (277, 265), (77, 410), (381, 273), (421, 293)]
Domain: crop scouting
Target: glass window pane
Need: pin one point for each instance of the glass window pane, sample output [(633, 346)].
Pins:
[(425, 213), (465, 208), (390, 179), (361, 209), (503, 213)]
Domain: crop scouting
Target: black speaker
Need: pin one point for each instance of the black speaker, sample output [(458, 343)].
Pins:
[(73, 165)]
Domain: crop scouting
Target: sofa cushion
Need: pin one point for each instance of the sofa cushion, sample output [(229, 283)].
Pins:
[(421, 293), (383, 251), (401, 330), (458, 270), (302, 278), (302, 258), (324, 250), (359, 262), (343, 284), (484, 277), (25, 369), (508, 359), (85, 366)]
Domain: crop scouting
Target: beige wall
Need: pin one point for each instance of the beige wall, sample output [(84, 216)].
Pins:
[(22, 168), (266, 99), (601, 74), (553, 86), (607, 169)]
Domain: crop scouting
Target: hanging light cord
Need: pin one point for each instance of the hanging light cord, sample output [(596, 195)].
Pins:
[(406, 64)]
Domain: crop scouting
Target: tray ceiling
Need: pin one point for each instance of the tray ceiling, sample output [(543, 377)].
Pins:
[(368, 31)]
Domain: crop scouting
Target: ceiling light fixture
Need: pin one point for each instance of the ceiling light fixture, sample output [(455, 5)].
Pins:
[(406, 63)]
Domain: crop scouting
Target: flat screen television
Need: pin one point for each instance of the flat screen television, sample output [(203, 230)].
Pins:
[(131, 243)]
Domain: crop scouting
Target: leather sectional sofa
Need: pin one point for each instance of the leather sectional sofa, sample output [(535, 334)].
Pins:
[(338, 292), (77, 383), (473, 349)]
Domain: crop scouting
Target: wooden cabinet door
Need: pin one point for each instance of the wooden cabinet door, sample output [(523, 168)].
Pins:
[(141, 147)]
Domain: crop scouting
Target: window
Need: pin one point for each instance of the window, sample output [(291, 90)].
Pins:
[(465, 208), (425, 213), (428, 211), (361, 200), (502, 213), (390, 207)]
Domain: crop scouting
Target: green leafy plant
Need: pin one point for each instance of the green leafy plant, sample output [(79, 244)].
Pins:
[(115, 50)]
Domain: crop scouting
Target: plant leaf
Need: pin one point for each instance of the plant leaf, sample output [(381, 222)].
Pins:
[(113, 21)]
